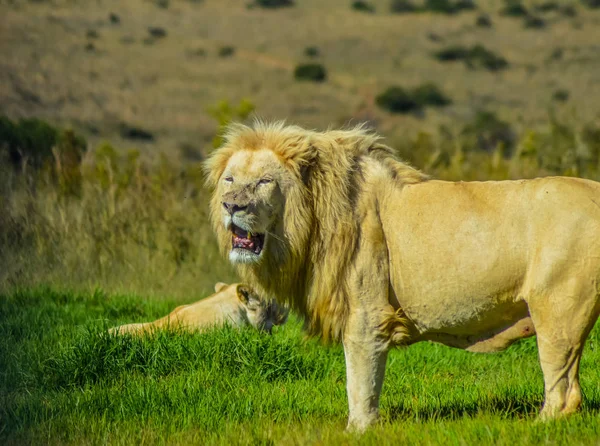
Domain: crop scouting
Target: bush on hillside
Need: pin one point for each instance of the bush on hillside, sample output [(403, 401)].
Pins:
[(475, 57), (402, 6), (362, 6), (490, 132), (36, 142), (514, 8), (430, 94), (272, 4), (397, 100), (313, 72)]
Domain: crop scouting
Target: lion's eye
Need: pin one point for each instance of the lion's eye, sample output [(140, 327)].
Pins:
[(265, 181), (228, 179)]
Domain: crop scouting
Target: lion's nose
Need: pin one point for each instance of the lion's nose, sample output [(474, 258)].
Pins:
[(232, 208)]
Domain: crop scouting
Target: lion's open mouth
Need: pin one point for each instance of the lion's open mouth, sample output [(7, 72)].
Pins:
[(242, 239)]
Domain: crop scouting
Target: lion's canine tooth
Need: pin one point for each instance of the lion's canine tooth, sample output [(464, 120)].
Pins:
[(249, 234)]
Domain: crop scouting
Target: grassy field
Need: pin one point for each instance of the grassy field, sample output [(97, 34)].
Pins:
[(64, 380), (127, 213)]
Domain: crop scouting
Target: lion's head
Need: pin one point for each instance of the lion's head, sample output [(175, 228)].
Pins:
[(284, 212)]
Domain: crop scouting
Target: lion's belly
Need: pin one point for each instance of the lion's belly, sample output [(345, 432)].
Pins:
[(463, 255)]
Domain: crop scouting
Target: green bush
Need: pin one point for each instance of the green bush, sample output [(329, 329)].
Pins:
[(362, 6), (133, 132), (534, 22), (397, 100), (312, 51), (475, 57), (448, 6), (226, 51), (561, 95), (452, 53), (514, 8), (479, 56), (310, 72), (402, 6), (548, 6), (430, 94), (568, 11), (157, 32), (33, 140), (483, 21), (593, 4), (273, 4), (490, 132)]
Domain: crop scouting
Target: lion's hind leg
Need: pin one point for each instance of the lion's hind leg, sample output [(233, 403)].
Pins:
[(562, 323)]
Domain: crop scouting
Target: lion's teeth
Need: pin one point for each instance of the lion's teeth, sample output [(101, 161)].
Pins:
[(249, 234)]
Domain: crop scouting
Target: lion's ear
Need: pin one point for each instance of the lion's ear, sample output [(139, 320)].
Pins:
[(220, 286), (247, 296)]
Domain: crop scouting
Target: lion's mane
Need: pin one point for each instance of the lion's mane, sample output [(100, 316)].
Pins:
[(307, 267)]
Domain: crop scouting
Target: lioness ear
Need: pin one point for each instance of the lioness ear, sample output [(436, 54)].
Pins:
[(247, 296), (220, 286)]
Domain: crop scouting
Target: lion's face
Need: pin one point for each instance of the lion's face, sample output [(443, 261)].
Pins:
[(252, 193)]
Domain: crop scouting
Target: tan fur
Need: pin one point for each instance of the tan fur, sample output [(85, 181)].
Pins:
[(371, 252), (234, 304)]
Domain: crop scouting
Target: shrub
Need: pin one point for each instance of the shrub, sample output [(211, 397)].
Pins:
[(157, 32), (137, 133), (312, 51), (474, 57), (33, 140), (114, 18), (479, 56), (514, 8), (568, 11), (310, 72), (593, 4), (362, 6), (226, 51), (430, 94), (224, 114), (490, 132), (534, 22), (272, 4), (561, 95), (402, 6), (465, 5), (397, 100), (483, 21), (441, 6), (547, 6), (448, 6), (452, 53)]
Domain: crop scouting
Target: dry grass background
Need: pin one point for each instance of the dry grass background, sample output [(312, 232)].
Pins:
[(138, 220)]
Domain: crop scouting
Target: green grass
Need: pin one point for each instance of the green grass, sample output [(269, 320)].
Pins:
[(63, 379)]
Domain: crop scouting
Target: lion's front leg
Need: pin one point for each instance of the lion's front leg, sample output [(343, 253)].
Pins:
[(365, 370)]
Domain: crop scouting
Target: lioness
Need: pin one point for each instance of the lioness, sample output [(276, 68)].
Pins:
[(372, 252), (234, 304)]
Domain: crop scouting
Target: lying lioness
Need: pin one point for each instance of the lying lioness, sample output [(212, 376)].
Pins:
[(235, 304)]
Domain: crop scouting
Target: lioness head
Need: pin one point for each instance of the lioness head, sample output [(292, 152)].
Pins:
[(262, 314)]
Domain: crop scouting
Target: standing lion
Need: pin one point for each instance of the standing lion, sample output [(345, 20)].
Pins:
[(374, 254)]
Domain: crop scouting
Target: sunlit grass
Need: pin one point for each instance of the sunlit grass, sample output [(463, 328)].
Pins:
[(63, 379)]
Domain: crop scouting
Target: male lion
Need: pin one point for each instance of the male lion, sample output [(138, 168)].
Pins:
[(373, 253), (234, 304)]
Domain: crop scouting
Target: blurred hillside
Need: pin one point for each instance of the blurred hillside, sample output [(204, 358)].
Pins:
[(143, 73)]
